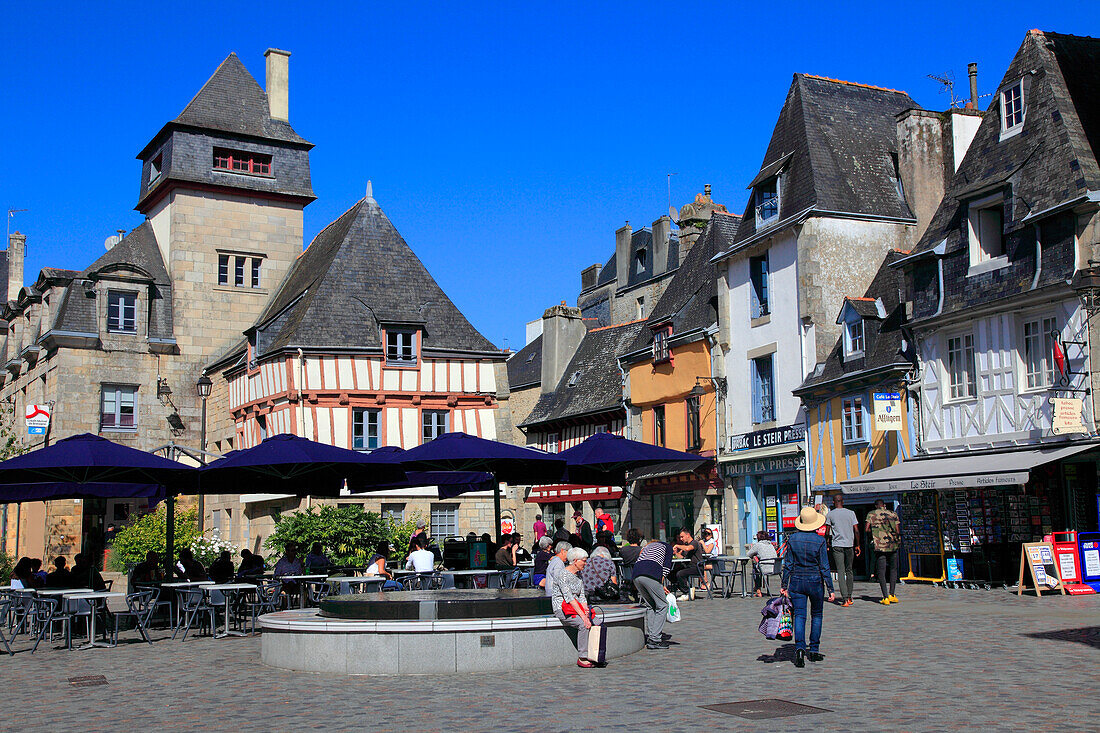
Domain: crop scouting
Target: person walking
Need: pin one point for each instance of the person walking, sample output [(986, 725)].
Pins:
[(805, 570), (884, 527), (844, 531)]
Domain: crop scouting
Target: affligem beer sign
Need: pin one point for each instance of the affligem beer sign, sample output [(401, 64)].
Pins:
[(887, 411), (38, 419)]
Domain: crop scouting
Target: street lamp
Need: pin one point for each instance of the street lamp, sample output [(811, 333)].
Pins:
[(1087, 284), (203, 387)]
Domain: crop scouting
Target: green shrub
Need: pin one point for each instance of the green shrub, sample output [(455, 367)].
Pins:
[(7, 564), (147, 533), (348, 535)]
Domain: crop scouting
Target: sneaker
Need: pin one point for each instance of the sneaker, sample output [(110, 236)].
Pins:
[(650, 644), (800, 658), (691, 593), (815, 656), (885, 601), (893, 599), (665, 637), (682, 597), (847, 602)]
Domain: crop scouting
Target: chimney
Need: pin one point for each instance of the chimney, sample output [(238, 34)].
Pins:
[(590, 276), (278, 84), (923, 162), (662, 229), (17, 248), (622, 254), (562, 332), (972, 70)]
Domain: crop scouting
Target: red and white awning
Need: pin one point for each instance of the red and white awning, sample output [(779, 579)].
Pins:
[(572, 492)]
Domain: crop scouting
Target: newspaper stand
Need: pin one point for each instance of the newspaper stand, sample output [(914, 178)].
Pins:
[(1067, 557), (1089, 544)]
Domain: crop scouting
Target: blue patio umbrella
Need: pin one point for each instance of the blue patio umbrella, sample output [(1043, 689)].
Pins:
[(449, 484), (288, 464), (606, 458), (88, 466)]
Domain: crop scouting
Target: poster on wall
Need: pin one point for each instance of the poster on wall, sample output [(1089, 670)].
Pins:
[(719, 540), (790, 510), (771, 515)]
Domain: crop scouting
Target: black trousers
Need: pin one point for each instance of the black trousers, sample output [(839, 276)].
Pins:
[(682, 577), (887, 562)]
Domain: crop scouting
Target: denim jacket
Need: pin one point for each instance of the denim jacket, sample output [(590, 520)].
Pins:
[(807, 557)]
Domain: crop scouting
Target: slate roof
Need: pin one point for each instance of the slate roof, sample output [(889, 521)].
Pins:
[(882, 337), (232, 101), (833, 141), (525, 366), (690, 300), (599, 387), (357, 273), (137, 250), (1052, 161), (641, 239)]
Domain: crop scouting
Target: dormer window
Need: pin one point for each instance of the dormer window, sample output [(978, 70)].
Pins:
[(1012, 110), (239, 161), (661, 351), (121, 312), (986, 234), (767, 201), (639, 261), (853, 338), (573, 379), (401, 347), (155, 167)]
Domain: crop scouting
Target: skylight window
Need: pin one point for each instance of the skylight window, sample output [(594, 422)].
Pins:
[(573, 379)]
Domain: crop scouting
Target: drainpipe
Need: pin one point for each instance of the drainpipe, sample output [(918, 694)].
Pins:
[(1038, 256), (939, 250)]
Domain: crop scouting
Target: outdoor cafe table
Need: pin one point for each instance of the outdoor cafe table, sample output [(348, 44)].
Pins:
[(744, 561), (345, 583), (93, 599), (183, 584), (61, 591), (302, 580), (228, 591)]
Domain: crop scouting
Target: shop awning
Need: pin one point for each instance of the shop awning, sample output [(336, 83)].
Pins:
[(1005, 468), (261, 498), (666, 469), (572, 492)]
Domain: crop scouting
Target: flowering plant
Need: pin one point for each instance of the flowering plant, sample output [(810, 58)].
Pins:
[(208, 548)]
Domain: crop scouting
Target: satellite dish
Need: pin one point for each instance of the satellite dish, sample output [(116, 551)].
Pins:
[(673, 214), (111, 241)]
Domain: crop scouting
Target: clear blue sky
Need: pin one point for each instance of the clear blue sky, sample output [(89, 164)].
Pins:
[(507, 142)]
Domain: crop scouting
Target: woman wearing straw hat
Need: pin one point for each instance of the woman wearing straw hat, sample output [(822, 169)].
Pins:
[(805, 570)]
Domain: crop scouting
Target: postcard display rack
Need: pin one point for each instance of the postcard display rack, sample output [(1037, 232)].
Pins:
[(921, 537)]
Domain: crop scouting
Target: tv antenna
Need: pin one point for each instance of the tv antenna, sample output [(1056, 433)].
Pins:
[(947, 84), (11, 215), (672, 213)]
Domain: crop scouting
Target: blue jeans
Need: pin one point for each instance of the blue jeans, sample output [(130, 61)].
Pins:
[(801, 590)]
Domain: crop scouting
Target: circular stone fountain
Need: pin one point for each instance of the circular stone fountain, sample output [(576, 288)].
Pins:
[(434, 632)]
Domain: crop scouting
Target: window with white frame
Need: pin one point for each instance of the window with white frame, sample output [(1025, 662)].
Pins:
[(117, 407), (661, 351), (639, 308), (553, 442), (766, 198), (1039, 335), (1012, 109), (239, 271), (400, 347), (434, 423), (758, 276), (444, 520), (962, 372), (364, 428), (394, 512), (763, 390), (853, 337), (121, 312), (855, 423), (986, 229)]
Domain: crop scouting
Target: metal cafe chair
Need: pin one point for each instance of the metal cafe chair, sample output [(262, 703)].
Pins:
[(193, 605), (318, 591), (422, 581), (5, 609), (267, 600), (21, 616), (156, 603), (724, 572), (45, 616), (770, 569), (139, 607)]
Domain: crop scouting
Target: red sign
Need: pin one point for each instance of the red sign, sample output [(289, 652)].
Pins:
[(507, 526)]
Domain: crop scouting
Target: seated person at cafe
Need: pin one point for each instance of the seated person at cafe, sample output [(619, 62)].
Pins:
[(188, 568), (505, 557), (599, 569), (84, 574), (604, 538), (60, 577), (317, 561), (22, 576), (561, 534), (290, 563), (761, 550), (377, 566), (221, 570), (692, 549), (542, 558), (629, 552), (147, 571), (520, 552), (252, 565), (421, 559)]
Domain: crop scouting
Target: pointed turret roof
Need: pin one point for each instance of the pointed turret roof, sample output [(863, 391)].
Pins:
[(359, 274)]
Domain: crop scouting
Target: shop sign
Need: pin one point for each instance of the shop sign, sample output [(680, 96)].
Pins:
[(1067, 416), (38, 419), (767, 438), (771, 515), (941, 482), (771, 464), (887, 411)]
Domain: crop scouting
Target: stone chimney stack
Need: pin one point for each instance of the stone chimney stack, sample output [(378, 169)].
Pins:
[(662, 230), (17, 249), (694, 218), (278, 84), (972, 70), (562, 332), (622, 254)]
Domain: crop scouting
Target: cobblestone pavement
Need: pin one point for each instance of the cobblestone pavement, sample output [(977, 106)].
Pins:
[(939, 660)]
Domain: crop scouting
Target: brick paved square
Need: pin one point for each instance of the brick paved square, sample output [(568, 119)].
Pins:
[(939, 660)]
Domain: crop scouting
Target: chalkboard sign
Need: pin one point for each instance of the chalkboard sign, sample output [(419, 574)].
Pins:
[(1037, 558)]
